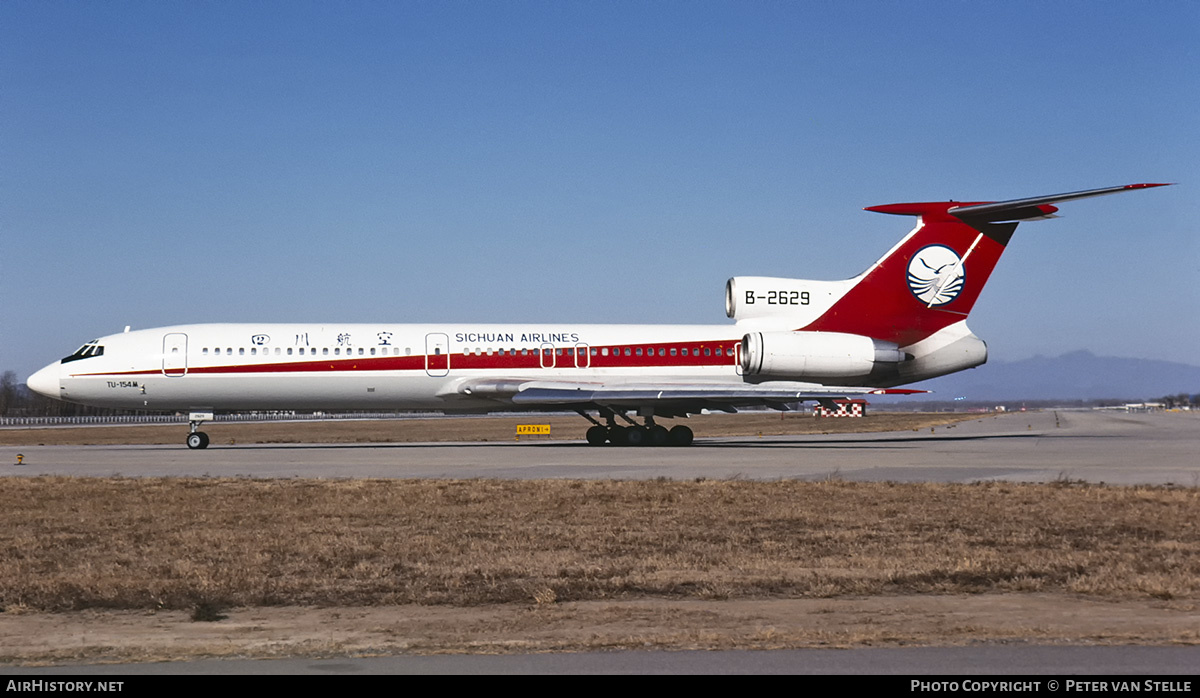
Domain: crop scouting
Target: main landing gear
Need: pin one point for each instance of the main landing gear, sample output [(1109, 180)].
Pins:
[(648, 434)]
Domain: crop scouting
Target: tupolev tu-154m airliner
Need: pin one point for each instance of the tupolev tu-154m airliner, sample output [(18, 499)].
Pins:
[(902, 320)]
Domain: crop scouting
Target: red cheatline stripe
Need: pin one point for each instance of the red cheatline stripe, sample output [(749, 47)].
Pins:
[(532, 360)]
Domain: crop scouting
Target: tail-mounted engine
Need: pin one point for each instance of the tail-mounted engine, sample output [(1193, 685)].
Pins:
[(817, 355), (749, 297)]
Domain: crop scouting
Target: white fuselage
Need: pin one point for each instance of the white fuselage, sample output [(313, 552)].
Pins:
[(376, 366)]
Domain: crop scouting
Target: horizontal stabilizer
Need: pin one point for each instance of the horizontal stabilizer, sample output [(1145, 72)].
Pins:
[(1031, 208)]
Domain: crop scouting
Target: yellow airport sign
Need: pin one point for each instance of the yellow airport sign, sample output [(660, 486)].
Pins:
[(525, 429)]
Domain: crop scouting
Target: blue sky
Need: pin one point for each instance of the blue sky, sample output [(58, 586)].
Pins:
[(163, 163)]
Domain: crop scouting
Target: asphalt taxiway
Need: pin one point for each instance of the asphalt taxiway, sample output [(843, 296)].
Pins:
[(1094, 446)]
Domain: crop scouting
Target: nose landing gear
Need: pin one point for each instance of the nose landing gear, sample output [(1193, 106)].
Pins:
[(198, 439)]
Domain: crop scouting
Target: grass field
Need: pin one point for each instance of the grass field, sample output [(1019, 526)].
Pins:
[(76, 543)]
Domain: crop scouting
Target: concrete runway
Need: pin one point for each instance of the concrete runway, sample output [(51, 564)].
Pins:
[(1111, 447)]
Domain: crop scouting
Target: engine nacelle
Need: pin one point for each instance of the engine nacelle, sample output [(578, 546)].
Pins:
[(817, 355), (748, 297)]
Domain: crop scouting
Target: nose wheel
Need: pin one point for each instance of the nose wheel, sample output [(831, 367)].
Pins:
[(197, 439)]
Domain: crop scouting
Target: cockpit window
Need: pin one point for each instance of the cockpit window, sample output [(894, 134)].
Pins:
[(86, 351)]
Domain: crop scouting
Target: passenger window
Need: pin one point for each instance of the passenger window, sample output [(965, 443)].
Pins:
[(672, 351), (241, 351), (289, 351), (663, 352), (204, 351), (627, 351)]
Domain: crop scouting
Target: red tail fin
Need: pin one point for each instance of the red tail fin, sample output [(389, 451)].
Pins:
[(932, 278)]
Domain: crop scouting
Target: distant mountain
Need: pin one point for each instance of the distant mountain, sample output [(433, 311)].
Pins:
[(1078, 375)]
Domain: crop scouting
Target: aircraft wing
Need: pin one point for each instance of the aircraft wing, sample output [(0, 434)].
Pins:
[(667, 398)]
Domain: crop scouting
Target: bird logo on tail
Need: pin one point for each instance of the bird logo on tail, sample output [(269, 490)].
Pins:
[(936, 275)]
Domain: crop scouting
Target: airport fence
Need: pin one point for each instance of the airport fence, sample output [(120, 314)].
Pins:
[(182, 418)]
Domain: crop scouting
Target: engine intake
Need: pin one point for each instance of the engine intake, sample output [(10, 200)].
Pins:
[(817, 355)]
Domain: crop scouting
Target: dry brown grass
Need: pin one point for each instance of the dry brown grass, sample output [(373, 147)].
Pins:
[(463, 429), (74, 543)]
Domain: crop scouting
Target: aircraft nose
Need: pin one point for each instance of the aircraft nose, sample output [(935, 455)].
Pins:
[(45, 382)]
